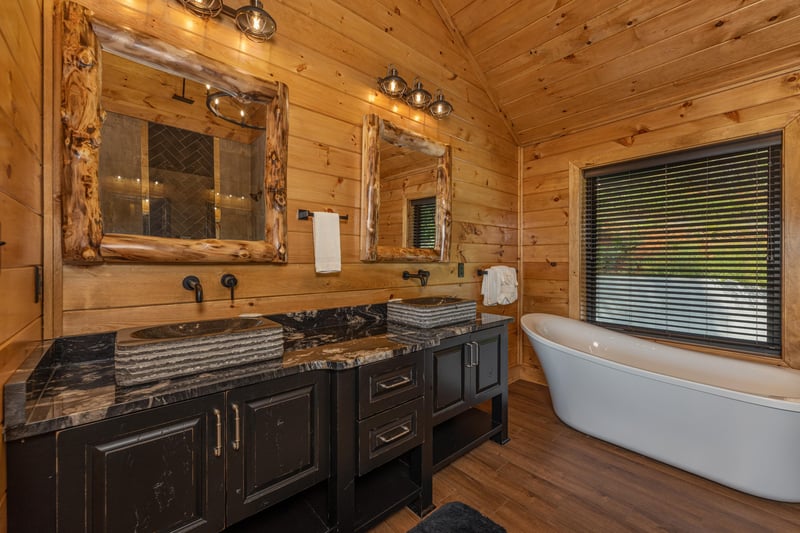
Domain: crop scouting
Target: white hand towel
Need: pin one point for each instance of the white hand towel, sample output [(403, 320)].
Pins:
[(507, 291), (499, 285), (489, 287), (327, 249)]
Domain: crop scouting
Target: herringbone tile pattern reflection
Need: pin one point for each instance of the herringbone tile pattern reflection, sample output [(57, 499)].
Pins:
[(180, 150), (181, 183)]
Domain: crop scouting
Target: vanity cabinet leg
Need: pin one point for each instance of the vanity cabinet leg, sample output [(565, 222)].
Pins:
[(341, 486), (422, 474), (500, 414), (500, 402)]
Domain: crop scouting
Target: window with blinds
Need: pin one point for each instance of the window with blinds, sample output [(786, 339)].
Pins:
[(422, 213), (688, 246)]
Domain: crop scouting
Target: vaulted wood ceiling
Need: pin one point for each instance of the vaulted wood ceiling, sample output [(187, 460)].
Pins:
[(554, 67)]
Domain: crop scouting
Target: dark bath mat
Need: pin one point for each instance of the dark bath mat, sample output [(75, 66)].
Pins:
[(456, 517)]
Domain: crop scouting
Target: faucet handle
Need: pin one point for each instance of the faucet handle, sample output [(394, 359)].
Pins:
[(229, 281), (192, 283)]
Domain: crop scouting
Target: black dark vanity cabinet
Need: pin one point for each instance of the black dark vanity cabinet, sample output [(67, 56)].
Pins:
[(346, 429), (196, 465), (391, 411), (158, 470), (383, 438), (466, 371), (278, 441)]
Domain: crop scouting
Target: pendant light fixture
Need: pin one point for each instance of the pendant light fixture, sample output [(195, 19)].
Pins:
[(393, 86), (252, 20)]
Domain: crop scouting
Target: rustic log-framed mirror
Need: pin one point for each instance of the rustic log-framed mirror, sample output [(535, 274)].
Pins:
[(141, 225), (406, 194)]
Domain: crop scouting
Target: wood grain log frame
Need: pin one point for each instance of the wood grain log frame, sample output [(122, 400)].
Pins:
[(375, 129), (83, 240)]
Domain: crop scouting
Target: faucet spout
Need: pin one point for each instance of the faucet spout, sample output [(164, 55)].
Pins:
[(421, 275), (192, 283)]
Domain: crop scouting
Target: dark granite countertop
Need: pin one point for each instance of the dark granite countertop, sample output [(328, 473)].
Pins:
[(70, 381)]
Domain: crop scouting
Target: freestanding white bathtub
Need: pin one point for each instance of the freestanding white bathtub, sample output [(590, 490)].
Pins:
[(733, 421)]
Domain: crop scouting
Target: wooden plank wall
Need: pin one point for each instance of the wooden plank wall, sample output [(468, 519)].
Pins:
[(21, 217), (760, 106), (330, 54)]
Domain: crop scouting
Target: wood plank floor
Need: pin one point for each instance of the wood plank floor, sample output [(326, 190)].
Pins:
[(553, 478)]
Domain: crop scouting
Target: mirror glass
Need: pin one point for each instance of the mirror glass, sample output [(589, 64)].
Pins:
[(408, 197), (169, 167), (406, 194), (169, 156)]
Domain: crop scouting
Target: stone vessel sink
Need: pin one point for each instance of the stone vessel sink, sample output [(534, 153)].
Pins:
[(200, 327), (430, 311), (167, 351)]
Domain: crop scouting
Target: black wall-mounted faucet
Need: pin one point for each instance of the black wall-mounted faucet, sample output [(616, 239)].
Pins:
[(421, 275), (192, 283), (229, 281)]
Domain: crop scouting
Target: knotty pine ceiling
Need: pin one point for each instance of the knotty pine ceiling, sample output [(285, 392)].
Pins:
[(555, 67)]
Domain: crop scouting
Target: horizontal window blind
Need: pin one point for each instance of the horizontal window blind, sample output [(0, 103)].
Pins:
[(423, 215), (688, 246)]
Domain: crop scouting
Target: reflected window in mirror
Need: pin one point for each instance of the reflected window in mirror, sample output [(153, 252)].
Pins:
[(422, 223)]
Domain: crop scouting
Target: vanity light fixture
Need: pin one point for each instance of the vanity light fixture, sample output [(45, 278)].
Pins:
[(393, 86), (418, 97), (252, 19), (440, 107)]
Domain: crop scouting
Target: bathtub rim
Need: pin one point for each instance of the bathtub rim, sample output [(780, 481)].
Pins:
[(783, 403)]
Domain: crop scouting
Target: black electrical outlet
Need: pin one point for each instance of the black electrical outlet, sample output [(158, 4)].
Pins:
[(461, 270)]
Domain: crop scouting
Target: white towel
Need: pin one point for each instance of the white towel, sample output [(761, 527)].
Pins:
[(327, 250), (499, 285)]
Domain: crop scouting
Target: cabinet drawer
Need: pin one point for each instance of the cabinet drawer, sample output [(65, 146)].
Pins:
[(384, 436), (385, 384)]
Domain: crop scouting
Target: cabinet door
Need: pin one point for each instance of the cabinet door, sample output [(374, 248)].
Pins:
[(490, 347), (449, 383), (151, 471), (278, 442)]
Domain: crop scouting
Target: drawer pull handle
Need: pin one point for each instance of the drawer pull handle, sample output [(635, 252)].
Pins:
[(218, 447), (236, 431), (393, 383), (404, 430)]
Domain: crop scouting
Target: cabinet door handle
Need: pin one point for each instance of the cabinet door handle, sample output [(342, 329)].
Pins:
[(404, 430), (475, 353), (218, 447), (468, 347), (236, 431), (395, 382)]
